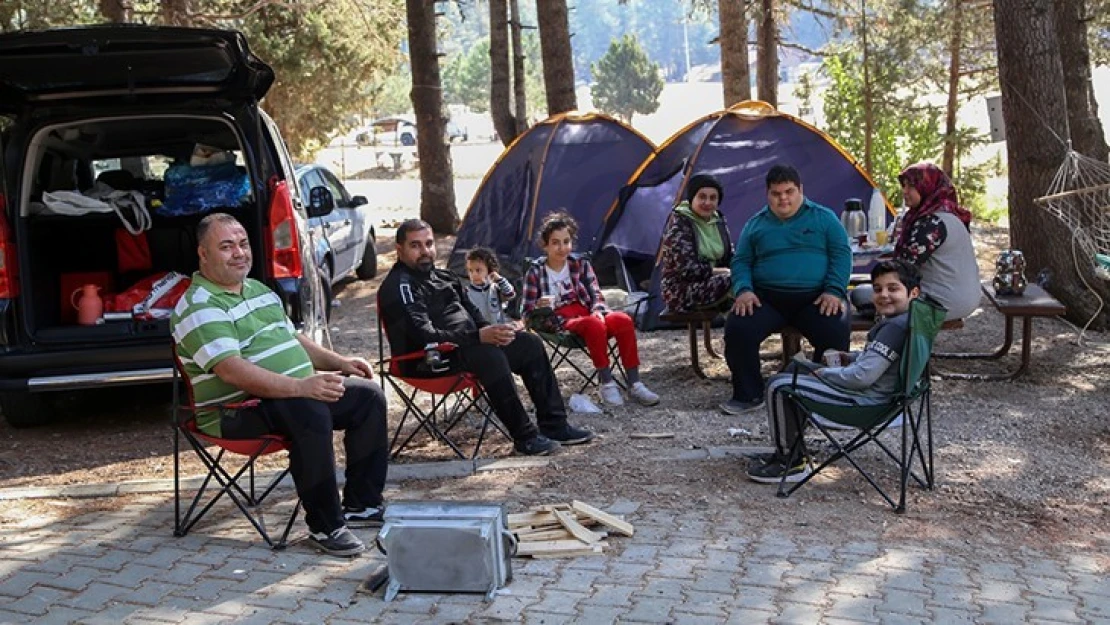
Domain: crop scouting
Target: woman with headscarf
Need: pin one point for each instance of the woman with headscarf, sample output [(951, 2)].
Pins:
[(936, 237), (697, 249)]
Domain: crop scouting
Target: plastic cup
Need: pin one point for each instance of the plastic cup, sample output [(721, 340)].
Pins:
[(880, 237)]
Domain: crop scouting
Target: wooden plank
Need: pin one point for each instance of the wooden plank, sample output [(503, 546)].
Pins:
[(540, 535), (606, 519), (549, 546), (576, 529), (531, 519)]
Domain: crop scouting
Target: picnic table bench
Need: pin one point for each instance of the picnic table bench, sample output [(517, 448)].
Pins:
[(693, 320), (1035, 302), (791, 338)]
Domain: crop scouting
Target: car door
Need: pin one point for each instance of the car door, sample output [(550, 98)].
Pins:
[(318, 226), (342, 233)]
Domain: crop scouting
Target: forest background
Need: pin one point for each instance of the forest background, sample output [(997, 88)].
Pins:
[(886, 78)]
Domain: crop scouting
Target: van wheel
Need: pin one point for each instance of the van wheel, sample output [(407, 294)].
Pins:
[(25, 410), (369, 267)]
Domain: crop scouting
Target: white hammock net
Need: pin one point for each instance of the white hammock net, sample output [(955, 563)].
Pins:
[(1079, 196)]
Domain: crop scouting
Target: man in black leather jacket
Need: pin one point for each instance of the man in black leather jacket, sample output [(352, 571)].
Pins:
[(421, 305)]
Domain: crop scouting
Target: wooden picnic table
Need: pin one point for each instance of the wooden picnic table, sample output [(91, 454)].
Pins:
[(1035, 302)]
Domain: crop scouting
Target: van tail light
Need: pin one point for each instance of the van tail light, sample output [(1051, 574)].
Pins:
[(9, 271), (283, 239)]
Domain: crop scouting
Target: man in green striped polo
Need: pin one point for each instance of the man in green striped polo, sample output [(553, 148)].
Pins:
[(235, 341)]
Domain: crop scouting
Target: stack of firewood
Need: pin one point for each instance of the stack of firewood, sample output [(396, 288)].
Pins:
[(565, 530)]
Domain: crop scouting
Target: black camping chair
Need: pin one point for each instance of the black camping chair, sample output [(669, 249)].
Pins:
[(912, 402)]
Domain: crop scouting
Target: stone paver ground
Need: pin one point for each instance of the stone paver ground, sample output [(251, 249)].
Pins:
[(700, 565)]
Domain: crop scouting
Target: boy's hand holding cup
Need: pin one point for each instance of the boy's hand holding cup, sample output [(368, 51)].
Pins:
[(545, 301)]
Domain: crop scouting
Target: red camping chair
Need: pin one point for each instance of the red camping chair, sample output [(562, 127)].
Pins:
[(452, 395), (228, 473)]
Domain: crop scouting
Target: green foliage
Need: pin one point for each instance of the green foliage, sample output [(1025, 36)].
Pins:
[(466, 76), (40, 14), (389, 95), (900, 134), (325, 55), (1098, 31), (324, 60), (904, 71), (627, 81)]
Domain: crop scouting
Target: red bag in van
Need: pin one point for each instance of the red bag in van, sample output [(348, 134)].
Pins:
[(132, 251), (153, 296)]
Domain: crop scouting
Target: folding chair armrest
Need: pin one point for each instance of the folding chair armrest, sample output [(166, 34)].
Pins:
[(418, 354)]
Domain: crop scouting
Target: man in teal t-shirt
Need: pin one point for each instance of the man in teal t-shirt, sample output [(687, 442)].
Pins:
[(235, 341), (790, 268)]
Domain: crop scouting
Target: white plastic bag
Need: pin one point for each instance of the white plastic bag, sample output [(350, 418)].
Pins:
[(582, 404)]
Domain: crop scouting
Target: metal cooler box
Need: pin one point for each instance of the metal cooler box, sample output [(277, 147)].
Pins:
[(446, 546)]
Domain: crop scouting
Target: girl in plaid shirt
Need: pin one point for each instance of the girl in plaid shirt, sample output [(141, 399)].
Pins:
[(567, 285)]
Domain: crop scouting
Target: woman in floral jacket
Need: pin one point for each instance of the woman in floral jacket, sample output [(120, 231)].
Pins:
[(936, 237), (697, 249)]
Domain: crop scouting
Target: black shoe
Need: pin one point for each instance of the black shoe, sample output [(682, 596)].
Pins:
[(567, 434), (363, 517), (538, 445), (340, 542), (773, 472), (737, 407), (762, 457)]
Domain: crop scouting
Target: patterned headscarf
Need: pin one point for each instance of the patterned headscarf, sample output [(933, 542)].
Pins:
[(937, 196)]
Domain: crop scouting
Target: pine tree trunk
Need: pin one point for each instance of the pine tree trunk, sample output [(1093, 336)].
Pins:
[(558, 59), (954, 44), (868, 102), (500, 87), (520, 94), (1086, 131), (117, 11), (1033, 109), (767, 72), (437, 186), (735, 74)]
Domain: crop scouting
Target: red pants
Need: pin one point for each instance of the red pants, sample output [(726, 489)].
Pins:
[(596, 333)]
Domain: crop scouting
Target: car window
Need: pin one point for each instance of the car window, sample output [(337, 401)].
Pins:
[(150, 167), (342, 198), (308, 180)]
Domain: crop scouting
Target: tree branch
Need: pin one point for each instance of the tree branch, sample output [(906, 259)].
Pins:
[(797, 46)]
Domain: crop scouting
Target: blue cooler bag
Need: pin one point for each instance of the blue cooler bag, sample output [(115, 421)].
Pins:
[(192, 190)]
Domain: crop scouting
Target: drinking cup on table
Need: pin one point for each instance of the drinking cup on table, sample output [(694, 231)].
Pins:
[(880, 237)]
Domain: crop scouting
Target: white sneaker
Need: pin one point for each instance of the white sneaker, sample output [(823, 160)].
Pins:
[(643, 394), (611, 394)]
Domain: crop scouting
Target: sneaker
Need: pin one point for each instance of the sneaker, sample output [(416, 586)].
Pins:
[(611, 394), (761, 457), (538, 445), (643, 394), (340, 542), (363, 517), (737, 407), (569, 435), (773, 472)]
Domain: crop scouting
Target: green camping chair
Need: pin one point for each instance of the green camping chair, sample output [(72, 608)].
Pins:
[(913, 403), (566, 346)]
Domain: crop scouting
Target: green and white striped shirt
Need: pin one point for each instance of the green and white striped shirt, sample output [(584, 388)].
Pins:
[(210, 325)]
